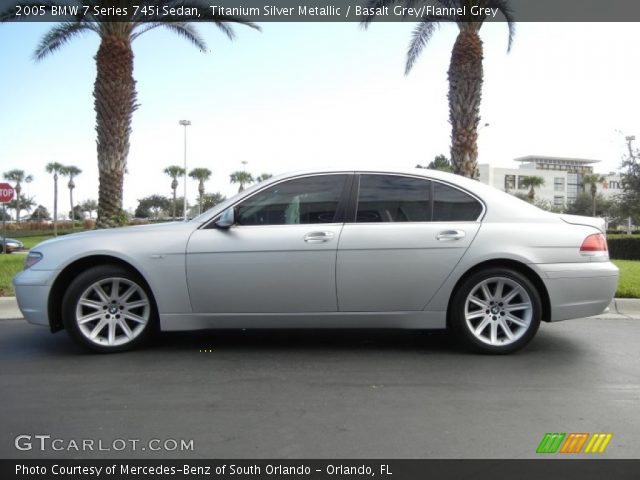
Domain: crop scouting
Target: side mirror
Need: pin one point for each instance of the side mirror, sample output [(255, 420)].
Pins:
[(227, 219)]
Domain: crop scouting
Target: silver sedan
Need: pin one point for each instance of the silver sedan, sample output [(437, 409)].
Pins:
[(415, 249)]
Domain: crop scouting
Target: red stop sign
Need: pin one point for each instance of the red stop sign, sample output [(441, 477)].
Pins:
[(6, 192)]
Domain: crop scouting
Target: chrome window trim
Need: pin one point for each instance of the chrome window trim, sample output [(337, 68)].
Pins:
[(212, 221), (431, 179)]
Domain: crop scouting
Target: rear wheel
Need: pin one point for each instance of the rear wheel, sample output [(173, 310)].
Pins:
[(108, 309), (497, 310)]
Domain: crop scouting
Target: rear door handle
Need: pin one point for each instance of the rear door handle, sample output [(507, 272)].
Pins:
[(450, 235), (318, 237)]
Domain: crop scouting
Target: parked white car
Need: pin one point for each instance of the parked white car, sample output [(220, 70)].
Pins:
[(417, 249)]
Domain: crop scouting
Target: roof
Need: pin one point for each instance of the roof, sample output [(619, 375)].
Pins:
[(569, 160)]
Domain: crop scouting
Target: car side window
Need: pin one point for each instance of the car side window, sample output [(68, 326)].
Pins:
[(453, 205), (304, 200), (393, 198)]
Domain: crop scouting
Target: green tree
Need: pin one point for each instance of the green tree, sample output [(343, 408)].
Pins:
[(532, 182), (55, 168), (19, 203), (440, 162), (630, 198), (465, 69), (263, 177), (593, 180), (201, 175), (71, 171), (583, 205), (76, 214), (89, 206), (152, 206), (40, 213), (114, 89), (241, 177), (174, 171), (210, 200), (18, 176)]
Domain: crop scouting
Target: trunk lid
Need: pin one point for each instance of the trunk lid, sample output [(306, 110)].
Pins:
[(595, 222)]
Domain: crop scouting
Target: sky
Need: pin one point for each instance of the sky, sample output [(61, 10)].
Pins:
[(304, 95)]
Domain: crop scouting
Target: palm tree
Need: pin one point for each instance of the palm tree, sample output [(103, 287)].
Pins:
[(20, 202), (114, 89), (55, 168), (593, 179), (465, 68), (89, 206), (532, 183), (71, 171), (202, 175), (242, 178), (263, 177), (18, 176), (174, 171)]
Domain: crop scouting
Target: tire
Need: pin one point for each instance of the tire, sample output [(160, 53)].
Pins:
[(109, 309), (495, 311)]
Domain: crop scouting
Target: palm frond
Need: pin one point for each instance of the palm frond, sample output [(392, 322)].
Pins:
[(182, 29), (58, 36), (420, 37), (507, 12)]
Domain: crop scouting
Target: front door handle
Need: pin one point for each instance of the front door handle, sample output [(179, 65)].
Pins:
[(450, 235), (318, 237)]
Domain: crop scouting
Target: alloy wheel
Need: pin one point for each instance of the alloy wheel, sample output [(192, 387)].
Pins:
[(112, 311), (498, 311)]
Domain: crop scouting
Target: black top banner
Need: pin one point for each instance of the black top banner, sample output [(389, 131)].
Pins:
[(320, 10)]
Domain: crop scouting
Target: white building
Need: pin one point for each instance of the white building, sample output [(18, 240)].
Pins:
[(562, 178)]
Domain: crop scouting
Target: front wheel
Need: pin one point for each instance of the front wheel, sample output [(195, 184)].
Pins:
[(108, 309), (497, 310)]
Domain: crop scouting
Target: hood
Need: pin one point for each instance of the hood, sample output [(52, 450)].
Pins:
[(595, 222), (134, 229)]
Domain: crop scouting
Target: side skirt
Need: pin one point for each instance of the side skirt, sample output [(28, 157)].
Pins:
[(400, 320)]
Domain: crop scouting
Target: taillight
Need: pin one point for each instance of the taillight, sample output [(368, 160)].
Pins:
[(594, 244)]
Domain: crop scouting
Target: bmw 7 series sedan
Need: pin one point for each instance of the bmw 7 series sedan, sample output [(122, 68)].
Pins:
[(416, 249)]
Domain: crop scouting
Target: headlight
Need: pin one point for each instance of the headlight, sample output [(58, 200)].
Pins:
[(32, 259)]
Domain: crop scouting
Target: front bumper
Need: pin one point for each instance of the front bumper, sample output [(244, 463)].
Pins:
[(32, 289), (579, 289)]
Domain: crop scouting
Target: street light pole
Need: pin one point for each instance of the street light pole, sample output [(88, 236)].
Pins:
[(185, 124)]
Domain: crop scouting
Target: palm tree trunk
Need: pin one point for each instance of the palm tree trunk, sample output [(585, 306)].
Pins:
[(18, 190), (72, 216), (174, 204), (55, 205), (465, 92), (114, 100), (594, 192), (201, 192)]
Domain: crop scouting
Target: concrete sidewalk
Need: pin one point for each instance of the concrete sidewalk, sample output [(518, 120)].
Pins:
[(619, 308)]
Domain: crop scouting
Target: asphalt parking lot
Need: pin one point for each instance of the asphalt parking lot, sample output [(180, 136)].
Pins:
[(323, 394)]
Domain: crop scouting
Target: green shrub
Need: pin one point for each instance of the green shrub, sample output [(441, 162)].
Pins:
[(624, 248)]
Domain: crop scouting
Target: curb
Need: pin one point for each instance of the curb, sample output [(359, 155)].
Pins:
[(9, 308), (618, 308)]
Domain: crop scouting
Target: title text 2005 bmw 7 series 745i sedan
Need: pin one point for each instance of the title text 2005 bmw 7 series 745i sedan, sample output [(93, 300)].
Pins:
[(417, 249)]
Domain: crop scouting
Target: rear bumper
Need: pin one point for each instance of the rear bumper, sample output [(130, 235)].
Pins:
[(579, 289)]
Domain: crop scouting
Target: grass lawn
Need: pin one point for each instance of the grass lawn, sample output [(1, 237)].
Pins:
[(629, 284), (9, 266), (30, 242)]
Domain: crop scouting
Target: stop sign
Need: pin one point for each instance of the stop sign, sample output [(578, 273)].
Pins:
[(6, 192)]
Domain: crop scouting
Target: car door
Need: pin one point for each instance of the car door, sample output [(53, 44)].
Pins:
[(279, 257), (405, 238)]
